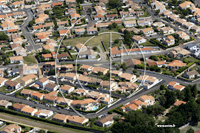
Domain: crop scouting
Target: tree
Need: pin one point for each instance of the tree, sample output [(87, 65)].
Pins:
[(190, 131), (123, 66), (162, 87), (79, 1), (51, 72), (94, 48), (31, 23), (135, 71), (90, 10), (170, 98), (127, 37), (3, 36), (116, 41), (46, 51), (114, 4)]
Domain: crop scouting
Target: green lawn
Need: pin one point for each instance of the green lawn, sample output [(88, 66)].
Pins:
[(146, 14), (147, 43), (93, 42), (191, 59), (30, 59), (4, 90)]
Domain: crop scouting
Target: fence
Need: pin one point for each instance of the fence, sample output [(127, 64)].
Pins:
[(109, 105)]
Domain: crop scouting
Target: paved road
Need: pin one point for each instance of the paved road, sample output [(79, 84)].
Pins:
[(32, 46)]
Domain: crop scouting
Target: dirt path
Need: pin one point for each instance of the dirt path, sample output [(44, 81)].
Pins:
[(37, 124)]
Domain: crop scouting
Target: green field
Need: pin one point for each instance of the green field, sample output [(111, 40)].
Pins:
[(93, 42), (30, 59)]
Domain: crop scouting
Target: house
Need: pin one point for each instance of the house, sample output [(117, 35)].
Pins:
[(100, 70), (158, 24), (28, 110), (47, 56), (183, 35), (51, 42), (124, 14), (186, 4), (11, 128), (147, 31), (167, 30), (57, 4), (77, 120), (126, 86), (127, 77), (178, 103), (48, 66), (26, 92), (80, 47), (108, 85), (74, 16), (138, 39), (42, 82), (132, 62), (130, 23), (65, 68), (17, 4), (18, 106), (62, 56), (48, 47), (175, 86), (115, 73), (147, 81), (67, 89), (12, 84), (89, 54), (16, 59), (43, 113), (130, 107), (105, 98), (86, 104), (5, 104), (50, 98), (91, 31), (64, 32), (111, 16), (37, 95), (191, 74), (176, 64), (191, 47), (169, 40), (80, 92), (179, 52), (60, 118), (51, 87), (147, 99), (139, 103), (105, 121), (69, 76), (86, 68), (64, 101), (2, 81), (145, 22), (29, 79), (195, 28), (139, 13), (188, 25), (79, 31)]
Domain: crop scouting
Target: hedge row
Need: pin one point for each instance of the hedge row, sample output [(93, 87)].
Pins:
[(116, 110), (47, 120), (154, 41), (185, 67), (93, 111)]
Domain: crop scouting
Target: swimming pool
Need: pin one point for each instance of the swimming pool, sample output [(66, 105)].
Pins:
[(94, 108)]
